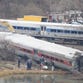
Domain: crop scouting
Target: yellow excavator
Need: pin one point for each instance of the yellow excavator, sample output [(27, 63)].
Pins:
[(7, 25)]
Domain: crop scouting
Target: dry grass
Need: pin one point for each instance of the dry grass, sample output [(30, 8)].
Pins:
[(10, 68), (7, 72)]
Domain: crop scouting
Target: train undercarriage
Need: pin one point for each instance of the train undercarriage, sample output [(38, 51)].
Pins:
[(62, 40)]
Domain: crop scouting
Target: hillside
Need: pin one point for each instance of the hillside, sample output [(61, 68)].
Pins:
[(19, 8)]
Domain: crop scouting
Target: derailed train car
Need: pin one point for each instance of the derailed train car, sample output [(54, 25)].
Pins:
[(63, 57)]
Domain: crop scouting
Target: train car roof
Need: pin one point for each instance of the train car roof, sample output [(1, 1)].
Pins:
[(34, 43), (41, 23)]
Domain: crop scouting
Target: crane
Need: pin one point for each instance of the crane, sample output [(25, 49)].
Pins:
[(6, 24)]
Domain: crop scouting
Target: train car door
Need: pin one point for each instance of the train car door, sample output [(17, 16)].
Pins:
[(80, 63), (43, 30), (35, 54)]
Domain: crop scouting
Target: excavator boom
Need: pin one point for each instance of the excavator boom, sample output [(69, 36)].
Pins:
[(6, 24)]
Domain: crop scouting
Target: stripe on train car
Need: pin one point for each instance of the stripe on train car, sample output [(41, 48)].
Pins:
[(55, 59)]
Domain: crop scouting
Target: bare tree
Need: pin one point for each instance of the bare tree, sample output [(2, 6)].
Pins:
[(7, 51), (18, 8)]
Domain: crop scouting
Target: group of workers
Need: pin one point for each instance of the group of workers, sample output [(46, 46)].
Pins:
[(28, 63), (43, 64)]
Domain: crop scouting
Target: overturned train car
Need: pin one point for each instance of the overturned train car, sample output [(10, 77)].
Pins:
[(63, 57)]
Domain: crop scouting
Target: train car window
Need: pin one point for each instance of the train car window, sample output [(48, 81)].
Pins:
[(74, 32), (52, 58), (59, 31), (61, 61), (48, 30), (56, 59), (15, 27), (37, 29), (53, 30), (32, 28), (66, 31), (45, 56), (19, 27), (28, 51), (80, 32), (26, 28)]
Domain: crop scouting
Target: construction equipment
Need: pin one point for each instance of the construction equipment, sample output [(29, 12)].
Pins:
[(7, 25), (34, 18)]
